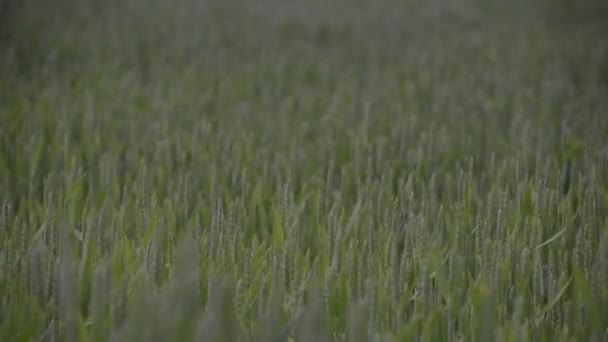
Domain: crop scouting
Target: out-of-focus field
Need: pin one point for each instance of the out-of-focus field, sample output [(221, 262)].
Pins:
[(303, 170)]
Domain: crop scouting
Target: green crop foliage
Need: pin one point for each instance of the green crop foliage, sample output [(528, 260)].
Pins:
[(303, 171)]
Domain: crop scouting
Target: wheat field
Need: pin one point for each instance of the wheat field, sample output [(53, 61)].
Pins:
[(303, 171)]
